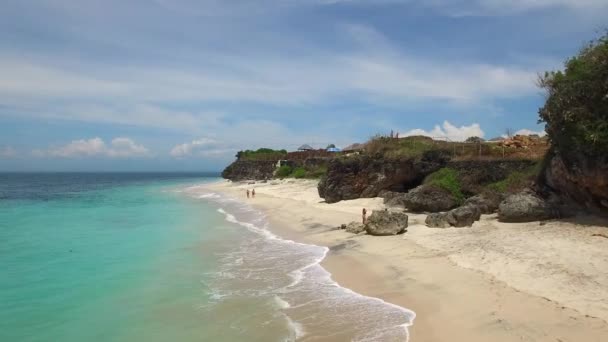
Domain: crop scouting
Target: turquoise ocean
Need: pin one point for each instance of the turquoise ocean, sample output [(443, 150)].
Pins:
[(158, 257)]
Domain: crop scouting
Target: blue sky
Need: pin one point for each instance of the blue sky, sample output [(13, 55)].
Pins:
[(184, 84)]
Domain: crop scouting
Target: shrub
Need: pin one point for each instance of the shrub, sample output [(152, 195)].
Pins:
[(447, 179), (317, 172), (261, 154), (576, 110), (284, 171), (299, 172), (516, 181)]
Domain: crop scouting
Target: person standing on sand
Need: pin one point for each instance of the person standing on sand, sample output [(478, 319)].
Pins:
[(363, 215), (247, 193), (253, 193)]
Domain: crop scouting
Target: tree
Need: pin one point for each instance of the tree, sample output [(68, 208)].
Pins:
[(474, 139), (330, 146), (576, 110)]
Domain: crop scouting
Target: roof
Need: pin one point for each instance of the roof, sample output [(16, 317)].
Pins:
[(305, 147), (333, 149)]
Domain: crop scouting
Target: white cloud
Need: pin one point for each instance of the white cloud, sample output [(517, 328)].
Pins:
[(449, 131), (526, 131), (480, 7), (118, 148), (7, 152), (198, 145)]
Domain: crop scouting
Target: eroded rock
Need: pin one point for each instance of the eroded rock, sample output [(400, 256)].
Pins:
[(383, 222), (524, 207), (428, 198)]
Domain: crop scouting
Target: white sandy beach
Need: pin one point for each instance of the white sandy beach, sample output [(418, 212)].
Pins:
[(491, 282)]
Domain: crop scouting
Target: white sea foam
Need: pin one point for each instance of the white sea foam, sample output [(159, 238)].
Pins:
[(315, 275), (281, 303), (210, 195)]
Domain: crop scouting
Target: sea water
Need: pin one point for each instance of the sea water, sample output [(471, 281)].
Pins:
[(156, 257)]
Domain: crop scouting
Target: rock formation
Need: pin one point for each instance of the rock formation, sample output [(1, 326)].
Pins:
[(463, 216), (525, 206), (250, 170), (487, 202), (365, 176), (354, 227), (582, 180), (426, 198), (383, 222)]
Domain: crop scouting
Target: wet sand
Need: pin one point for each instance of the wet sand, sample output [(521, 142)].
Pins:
[(491, 282)]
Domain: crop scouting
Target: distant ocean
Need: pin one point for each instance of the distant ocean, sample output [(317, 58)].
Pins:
[(156, 257)]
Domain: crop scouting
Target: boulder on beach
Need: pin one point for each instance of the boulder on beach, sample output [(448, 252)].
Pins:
[(525, 206), (355, 227), (487, 203), (383, 222), (463, 216), (437, 220), (460, 217), (428, 198)]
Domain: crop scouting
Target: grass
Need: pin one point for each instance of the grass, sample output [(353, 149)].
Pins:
[(447, 179), (261, 154), (299, 172), (395, 148), (516, 180), (284, 171)]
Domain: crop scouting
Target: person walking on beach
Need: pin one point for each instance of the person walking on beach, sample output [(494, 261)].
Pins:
[(363, 215), (253, 193), (247, 193)]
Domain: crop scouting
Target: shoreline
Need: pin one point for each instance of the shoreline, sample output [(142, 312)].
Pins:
[(451, 302)]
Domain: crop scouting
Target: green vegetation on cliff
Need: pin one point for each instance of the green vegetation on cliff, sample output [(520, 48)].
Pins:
[(261, 154), (576, 111), (447, 179)]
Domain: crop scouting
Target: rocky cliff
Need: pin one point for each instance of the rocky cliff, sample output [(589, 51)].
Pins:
[(579, 179), (250, 170), (365, 176), (475, 174)]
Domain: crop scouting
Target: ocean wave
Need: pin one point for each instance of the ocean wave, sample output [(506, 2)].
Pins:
[(309, 283)]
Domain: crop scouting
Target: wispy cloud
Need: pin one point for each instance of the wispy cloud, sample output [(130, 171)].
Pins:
[(120, 147), (7, 152)]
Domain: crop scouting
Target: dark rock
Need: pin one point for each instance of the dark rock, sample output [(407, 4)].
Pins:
[(428, 198), (475, 174), (487, 203), (437, 220), (578, 179), (383, 222), (396, 200), (249, 170), (387, 194), (355, 227), (365, 176), (343, 226), (525, 206), (463, 216)]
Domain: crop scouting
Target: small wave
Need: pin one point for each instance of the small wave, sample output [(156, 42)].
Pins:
[(296, 329), (210, 195), (313, 269), (281, 303)]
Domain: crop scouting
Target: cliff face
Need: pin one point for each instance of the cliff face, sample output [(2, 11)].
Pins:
[(579, 178), (366, 176), (475, 174), (250, 170)]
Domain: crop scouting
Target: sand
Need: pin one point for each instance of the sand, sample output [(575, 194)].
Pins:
[(491, 282)]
